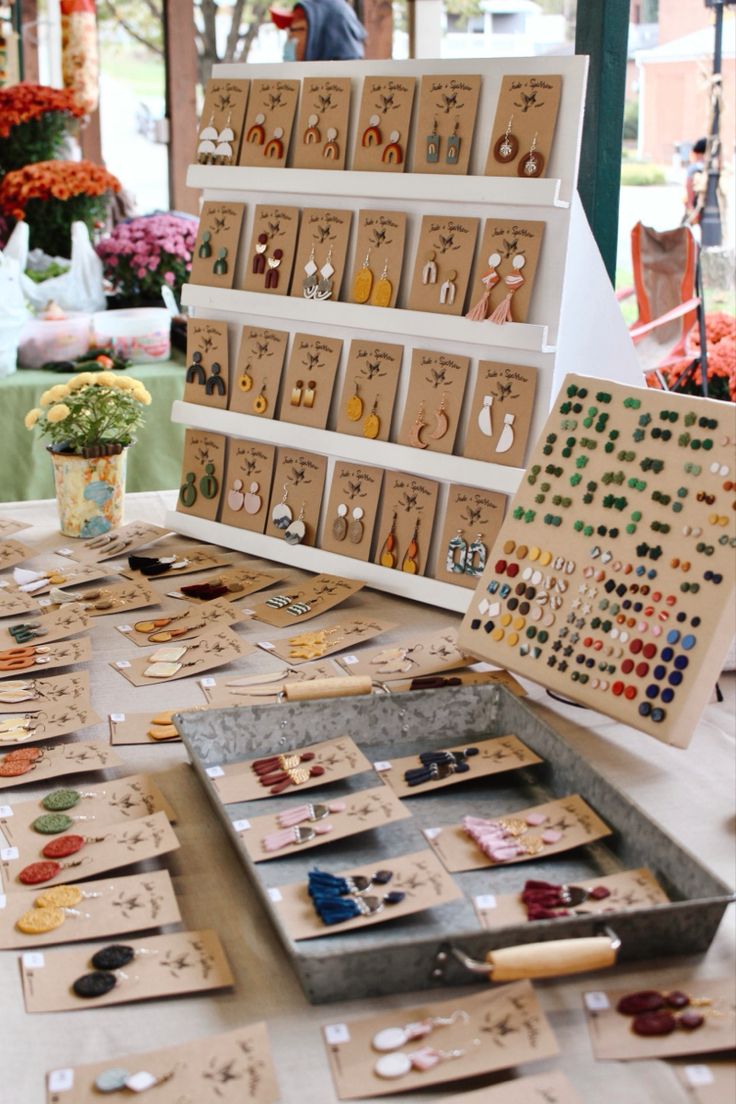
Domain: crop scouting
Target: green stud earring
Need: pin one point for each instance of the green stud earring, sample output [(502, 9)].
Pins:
[(208, 484), (220, 266), (188, 491), (205, 249)]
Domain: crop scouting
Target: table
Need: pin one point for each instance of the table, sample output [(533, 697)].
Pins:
[(689, 792), (154, 463)]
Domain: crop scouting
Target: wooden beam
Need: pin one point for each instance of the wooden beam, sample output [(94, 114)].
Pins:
[(90, 138), (181, 104), (28, 12), (602, 32), (378, 18)]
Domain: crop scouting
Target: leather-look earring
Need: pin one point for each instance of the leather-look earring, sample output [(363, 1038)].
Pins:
[(297, 530), (457, 551), (259, 257), (452, 154), (533, 164), (372, 424), (252, 501), (312, 134), (388, 549), (272, 276), (274, 147), (205, 248), (215, 383), (507, 146), (195, 371), (331, 149), (433, 146), (257, 133), (309, 283), (393, 154), (220, 266), (410, 563), (208, 484), (260, 402), (372, 133), (354, 408), (420, 423), (235, 496), (489, 279), (309, 395), (429, 272), (442, 422), (448, 289), (485, 422), (188, 490), (281, 514), (356, 528), (363, 282), (383, 290), (296, 393), (475, 561), (340, 524)]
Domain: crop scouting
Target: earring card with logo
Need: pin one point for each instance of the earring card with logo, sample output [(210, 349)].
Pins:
[(512, 249), (320, 593), (235, 582), (147, 728), (494, 1029), (264, 688), (247, 486), (13, 552), (208, 376), (319, 268), (49, 722), (119, 845), (57, 762), (434, 400), (13, 603), (383, 124), (322, 131), (116, 598), (202, 473), (494, 756), (225, 101), (443, 131), (501, 413), (117, 542), (59, 625), (270, 256), (166, 966), (623, 530), (108, 907), (29, 695), (553, 1087), (379, 258), (269, 122), (228, 1068), (525, 121), (309, 380), (174, 625), (55, 574), (352, 506), (415, 656), (366, 405), (255, 386), (443, 262), (326, 640), (62, 653), (298, 483), (9, 526), (216, 248), (471, 523), (215, 648), (188, 561), (404, 529)]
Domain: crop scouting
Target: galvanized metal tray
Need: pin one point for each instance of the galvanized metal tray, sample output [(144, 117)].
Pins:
[(402, 954)]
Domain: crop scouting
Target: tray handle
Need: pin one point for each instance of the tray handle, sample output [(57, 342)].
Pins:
[(345, 687), (537, 960)]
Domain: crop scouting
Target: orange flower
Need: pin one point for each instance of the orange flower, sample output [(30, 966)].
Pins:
[(23, 102), (53, 179)]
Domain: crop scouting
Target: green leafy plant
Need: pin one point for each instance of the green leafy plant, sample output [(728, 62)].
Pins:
[(90, 411)]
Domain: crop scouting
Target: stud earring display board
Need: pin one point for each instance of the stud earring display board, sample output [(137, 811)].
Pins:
[(611, 580), (557, 331)]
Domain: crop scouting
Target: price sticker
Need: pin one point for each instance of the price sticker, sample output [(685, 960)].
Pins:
[(61, 1080), (241, 825), (121, 664), (266, 645), (207, 683), (117, 718), (275, 895), (214, 772), (699, 1075), (597, 1001), (431, 833), (382, 765), (350, 660), (336, 1034), (33, 960), (8, 854), (125, 628), (485, 902)]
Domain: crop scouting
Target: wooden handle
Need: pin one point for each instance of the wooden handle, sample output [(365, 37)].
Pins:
[(327, 688), (553, 959)]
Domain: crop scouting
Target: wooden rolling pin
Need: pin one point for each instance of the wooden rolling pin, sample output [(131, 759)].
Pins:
[(346, 687)]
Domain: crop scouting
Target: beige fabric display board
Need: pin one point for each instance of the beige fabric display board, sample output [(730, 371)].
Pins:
[(213, 893)]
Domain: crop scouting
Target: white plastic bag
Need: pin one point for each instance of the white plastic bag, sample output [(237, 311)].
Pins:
[(80, 288), (13, 313)]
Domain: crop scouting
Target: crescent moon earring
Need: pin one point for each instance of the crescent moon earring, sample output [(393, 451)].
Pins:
[(442, 423), (415, 437)]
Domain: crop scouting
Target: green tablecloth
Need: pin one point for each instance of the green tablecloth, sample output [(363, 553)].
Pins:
[(154, 463)]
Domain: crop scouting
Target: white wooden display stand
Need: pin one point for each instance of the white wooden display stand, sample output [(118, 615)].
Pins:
[(577, 323)]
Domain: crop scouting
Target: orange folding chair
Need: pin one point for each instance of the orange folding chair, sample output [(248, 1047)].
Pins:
[(669, 298)]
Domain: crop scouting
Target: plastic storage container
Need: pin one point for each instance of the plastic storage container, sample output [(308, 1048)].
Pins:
[(141, 334), (42, 339)]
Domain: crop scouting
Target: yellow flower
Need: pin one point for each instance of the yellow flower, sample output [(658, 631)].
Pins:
[(32, 417), (84, 379), (45, 398), (106, 379), (127, 383), (60, 391), (141, 395), (58, 413)]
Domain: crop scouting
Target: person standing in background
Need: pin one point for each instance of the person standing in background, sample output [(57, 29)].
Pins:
[(695, 184), (321, 30)]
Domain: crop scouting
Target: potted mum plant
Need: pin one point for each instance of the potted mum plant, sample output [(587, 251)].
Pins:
[(34, 120), (142, 255), (89, 422)]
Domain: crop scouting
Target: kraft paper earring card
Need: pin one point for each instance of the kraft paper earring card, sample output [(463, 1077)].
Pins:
[(216, 248), (202, 471), (207, 379), (405, 526), (268, 123), (255, 385), (501, 412), (365, 408), (503, 278), (309, 380), (247, 487), (434, 400), (296, 496), (472, 520), (270, 254), (221, 124), (443, 263), (351, 510), (383, 124), (379, 258), (443, 135), (524, 127), (322, 131), (320, 257)]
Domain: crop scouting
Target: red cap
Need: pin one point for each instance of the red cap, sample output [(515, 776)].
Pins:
[(281, 17)]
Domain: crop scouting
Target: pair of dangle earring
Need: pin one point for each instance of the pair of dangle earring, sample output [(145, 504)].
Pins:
[(322, 288), (506, 149), (260, 402), (274, 147), (250, 501), (209, 153), (485, 424), (388, 556), (364, 289), (464, 558), (269, 265), (208, 486), (353, 530), (442, 424), (393, 153), (452, 153), (196, 374), (355, 409), (205, 252), (303, 396), (313, 136)]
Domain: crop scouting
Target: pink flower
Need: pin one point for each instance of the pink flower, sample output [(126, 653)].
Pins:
[(112, 261), (170, 278), (141, 273), (153, 264)]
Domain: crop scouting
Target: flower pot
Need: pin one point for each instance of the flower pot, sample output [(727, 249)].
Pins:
[(89, 492)]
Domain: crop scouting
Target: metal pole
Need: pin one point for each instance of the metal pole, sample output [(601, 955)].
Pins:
[(710, 223)]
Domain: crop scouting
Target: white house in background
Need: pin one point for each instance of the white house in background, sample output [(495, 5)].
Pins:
[(507, 28)]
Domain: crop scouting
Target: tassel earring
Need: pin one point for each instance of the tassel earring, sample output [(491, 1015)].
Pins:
[(489, 279), (513, 282), (457, 550), (388, 550), (363, 282)]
